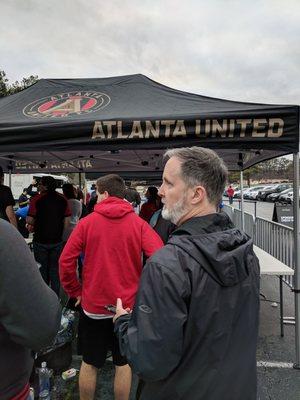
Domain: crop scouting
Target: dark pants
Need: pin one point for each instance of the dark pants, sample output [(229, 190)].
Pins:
[(139, 389), (230, 199), (47, 255)]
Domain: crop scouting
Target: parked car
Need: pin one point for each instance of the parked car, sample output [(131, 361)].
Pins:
[(237, 193), (289, 197), (248, 192), (256, 193), (282, 198), (262, 195), (253, 194), (276, 196)]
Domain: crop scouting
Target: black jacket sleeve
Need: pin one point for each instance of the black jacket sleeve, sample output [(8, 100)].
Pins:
[(29, 309), (152, 339)]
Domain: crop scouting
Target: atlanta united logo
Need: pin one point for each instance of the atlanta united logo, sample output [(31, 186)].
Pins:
[(66, 104)]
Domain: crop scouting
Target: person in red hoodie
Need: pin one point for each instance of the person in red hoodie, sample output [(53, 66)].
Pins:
[(112, 239), (230, 194)]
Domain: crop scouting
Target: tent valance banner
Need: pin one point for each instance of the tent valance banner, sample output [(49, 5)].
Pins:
[(73, 124)]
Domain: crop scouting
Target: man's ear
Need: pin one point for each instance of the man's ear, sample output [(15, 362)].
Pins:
[(199, 195), (105, 194)]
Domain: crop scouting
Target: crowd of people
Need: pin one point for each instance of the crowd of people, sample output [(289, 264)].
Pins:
[(184, 280)]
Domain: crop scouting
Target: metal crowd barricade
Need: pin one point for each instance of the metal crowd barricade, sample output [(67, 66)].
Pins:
[(277, 240), (274, 238), (236, 217)]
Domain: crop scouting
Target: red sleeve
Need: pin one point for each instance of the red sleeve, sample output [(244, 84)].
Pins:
[(68, 262), (32, 205), (151, 242)]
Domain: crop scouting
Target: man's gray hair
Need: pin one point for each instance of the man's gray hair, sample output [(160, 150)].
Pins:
[(201, 166)]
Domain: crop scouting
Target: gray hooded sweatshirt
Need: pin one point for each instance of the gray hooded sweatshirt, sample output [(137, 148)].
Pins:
[(29, 312)]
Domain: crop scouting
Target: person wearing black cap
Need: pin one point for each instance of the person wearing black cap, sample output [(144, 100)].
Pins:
[(6, 202)]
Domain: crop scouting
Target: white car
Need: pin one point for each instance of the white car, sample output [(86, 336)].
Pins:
[(237, 193), (249, 192), (289, 197), (279, 196), (254, 193)]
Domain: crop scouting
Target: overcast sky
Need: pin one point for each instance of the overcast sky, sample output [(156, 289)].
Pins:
[(236, 49)]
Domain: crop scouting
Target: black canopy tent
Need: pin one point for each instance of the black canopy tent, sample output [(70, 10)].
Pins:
[(124, 124)]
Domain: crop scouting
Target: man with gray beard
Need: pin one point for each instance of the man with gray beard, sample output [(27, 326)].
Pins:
[(193, 331)]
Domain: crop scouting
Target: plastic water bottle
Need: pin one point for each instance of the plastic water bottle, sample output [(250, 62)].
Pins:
[(44, 381), (31, 394)]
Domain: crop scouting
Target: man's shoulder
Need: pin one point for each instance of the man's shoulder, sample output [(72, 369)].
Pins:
[(5, 226), (89, 220), (166, 262), (135, 218), (5, 189), (165, 256), (37, 198), (54, 197), (60, 196), (142, 224)]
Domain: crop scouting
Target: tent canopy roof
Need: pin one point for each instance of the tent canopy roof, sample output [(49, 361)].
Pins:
[(125, 124)]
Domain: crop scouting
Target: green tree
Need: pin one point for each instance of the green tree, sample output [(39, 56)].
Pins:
[(3, 84), (277, 168), (6, 88), (250, 174)]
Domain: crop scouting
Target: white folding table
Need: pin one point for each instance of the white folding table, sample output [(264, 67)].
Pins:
[(270, 265)]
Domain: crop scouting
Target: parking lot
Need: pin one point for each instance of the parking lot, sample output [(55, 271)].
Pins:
[(277, 379), (263, 209)]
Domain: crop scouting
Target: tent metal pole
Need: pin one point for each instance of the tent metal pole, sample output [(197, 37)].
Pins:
[(10, 168), (9, 177), (79, 179), (242, 199), (297, 258)]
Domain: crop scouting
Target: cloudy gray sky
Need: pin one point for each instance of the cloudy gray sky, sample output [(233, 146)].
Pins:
[(236, 49)]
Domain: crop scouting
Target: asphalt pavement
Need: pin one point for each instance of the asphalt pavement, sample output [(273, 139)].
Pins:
[(262, 209), (277, 379)]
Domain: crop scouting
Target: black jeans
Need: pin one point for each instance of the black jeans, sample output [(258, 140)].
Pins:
[(47, 255), (139, 389)]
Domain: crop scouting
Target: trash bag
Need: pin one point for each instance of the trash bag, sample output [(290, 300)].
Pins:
[(59, 355), (59, 359)]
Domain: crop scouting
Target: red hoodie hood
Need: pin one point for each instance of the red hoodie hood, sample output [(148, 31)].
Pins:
[(113, 207)]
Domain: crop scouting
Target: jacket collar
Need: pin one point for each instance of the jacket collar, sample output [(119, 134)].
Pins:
[(205, 224)]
